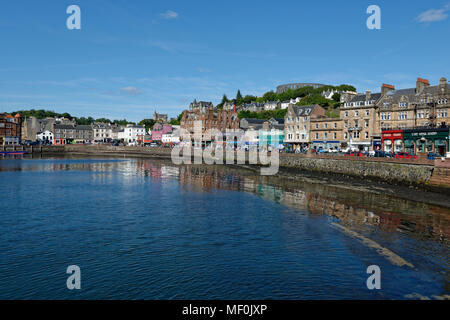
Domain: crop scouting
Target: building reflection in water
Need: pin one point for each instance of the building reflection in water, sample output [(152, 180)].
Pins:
[(354, 208)]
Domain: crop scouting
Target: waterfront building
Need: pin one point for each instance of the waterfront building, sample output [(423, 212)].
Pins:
[(297, 125), (132, 134), (424, 106), (72, 134), (272, 133), (159, 130), (392, 140), (45, 137), (435, 140), (10, 129), (221, 120), (102, 132), (31, 126), (171, 138), (361, 126), (326, 133), (251, 128)]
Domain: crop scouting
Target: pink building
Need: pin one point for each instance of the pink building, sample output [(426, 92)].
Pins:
[(159, 130)]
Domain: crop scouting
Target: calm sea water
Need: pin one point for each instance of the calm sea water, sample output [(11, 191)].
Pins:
[(144, 229)]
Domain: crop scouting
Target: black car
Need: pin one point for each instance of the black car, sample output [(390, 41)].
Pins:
[(383, 154)]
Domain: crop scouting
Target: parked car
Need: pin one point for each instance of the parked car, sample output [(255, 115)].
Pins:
[(380, 154), (355, 154), (404, 155), (154, 144), (432, 156)]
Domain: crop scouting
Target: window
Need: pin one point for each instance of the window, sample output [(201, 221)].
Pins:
[(420, 114), (367, 112), (334, 135), (325, 125), (317, 136), (345, 135), (402, 116), (442, 113), (356, 113), (325, 135), (366, 135), (366, 123), (317, 126), (403, 104), (346, 113), (335, 125)]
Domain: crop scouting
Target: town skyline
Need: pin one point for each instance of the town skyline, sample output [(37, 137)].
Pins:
[(161, 57)]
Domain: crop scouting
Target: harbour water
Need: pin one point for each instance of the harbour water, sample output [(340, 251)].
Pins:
[(147, 229)]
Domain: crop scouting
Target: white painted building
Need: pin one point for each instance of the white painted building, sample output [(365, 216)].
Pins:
[(271, 105), (132, 133), (45, 137), (285, 104), (173, 137), (102, 132)]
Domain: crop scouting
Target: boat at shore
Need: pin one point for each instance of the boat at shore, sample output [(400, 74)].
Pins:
[(14, 153)]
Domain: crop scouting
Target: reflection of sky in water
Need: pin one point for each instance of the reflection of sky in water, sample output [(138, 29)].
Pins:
[(148, 229)]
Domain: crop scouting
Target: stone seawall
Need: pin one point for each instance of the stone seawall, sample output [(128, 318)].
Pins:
[(401, 171), (386, 171)]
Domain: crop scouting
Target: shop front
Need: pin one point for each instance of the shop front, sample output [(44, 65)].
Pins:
[(427, 140), (376, 145), (392, 140)]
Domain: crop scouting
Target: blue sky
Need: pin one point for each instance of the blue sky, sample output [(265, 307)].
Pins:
[(132, 57)]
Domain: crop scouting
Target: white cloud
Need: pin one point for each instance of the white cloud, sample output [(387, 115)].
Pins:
[(169, 14), (434, 15), (131, 90)]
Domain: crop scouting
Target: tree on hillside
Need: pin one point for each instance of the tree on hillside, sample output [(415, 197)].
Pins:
[(147, 123), (239, 100), (336, 97), (224, 99), (123, 122), (270, 96), (103, 120), (84, 121), (238, 95), (248, 99)]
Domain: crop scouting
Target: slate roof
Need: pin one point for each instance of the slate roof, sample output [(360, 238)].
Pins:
[(362, 97)]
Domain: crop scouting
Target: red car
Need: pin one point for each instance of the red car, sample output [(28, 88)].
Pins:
[(404, 155), (355, 154)]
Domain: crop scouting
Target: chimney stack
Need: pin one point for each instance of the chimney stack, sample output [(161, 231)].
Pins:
[(367, 95), (442, 82), (421, 84), (385, 88)]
